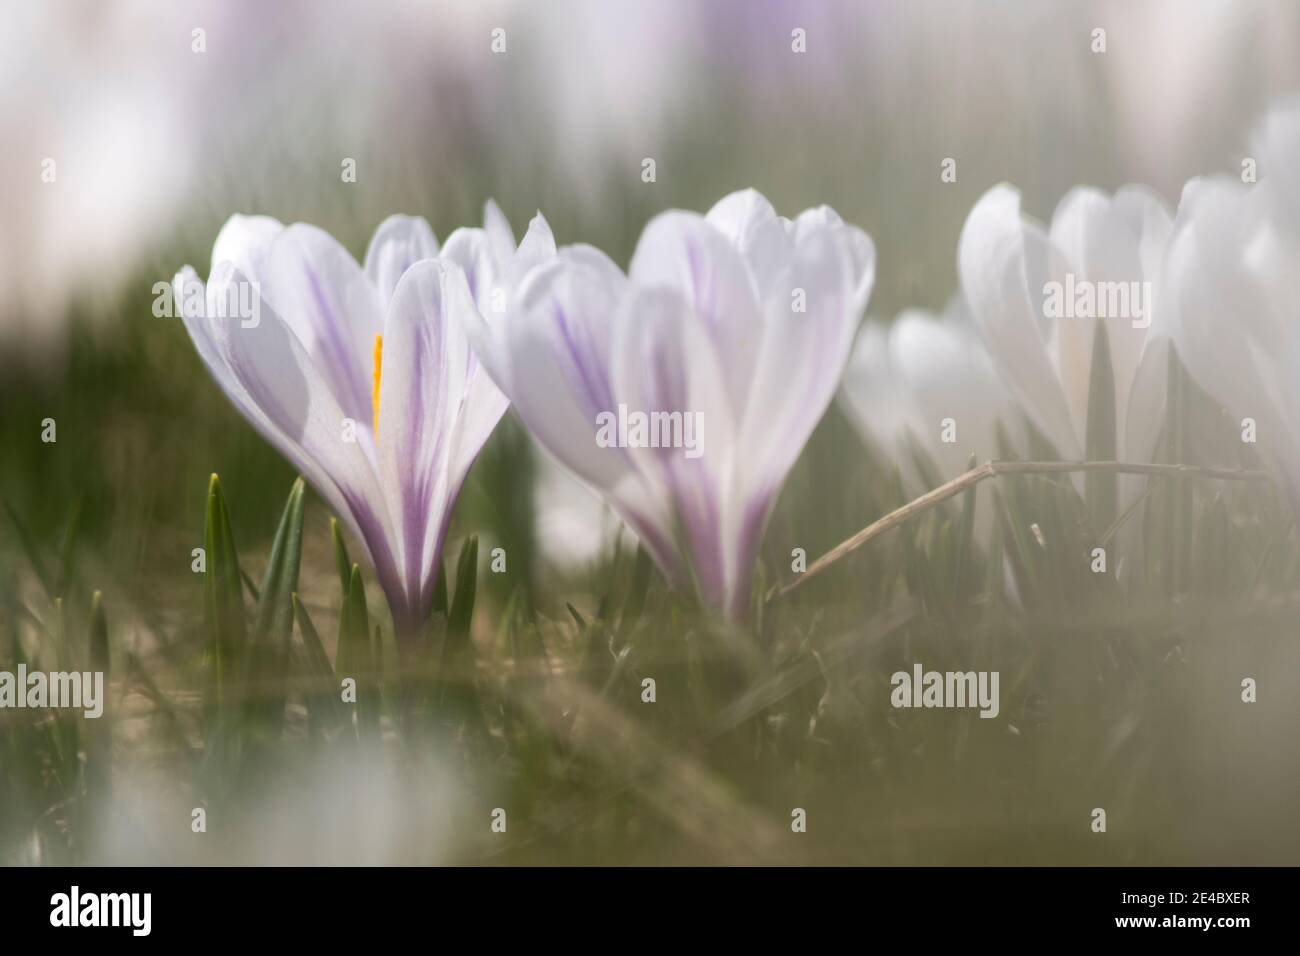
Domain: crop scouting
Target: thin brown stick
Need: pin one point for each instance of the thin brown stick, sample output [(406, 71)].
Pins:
[(988, 470)]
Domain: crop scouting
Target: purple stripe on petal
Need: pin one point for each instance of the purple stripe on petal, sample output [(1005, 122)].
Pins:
[(698, 511), (593, 383), (381, 554), (753, 521), (338, 354)]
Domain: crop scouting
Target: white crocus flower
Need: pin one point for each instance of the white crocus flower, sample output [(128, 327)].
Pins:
[(1228, 289), (1041, 298), (685, 390), (362, 376)]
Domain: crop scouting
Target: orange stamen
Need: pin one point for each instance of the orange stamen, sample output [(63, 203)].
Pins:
[(379, 369)]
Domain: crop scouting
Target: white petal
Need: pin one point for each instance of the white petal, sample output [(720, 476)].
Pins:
[(270, 378), (424, 434), (666, 363), (471, 251), (332, 307), (1149, 217), (740, 214), (1146, 403), (1230, 321), (1276, 143), (398, 243), (1004, 263), (685, 252), (496, 228), (951, 377), (538, 244), (802, 354), (244, 242), (869, 392), (557, 348), (944, 369), (538, 247), (1110, 240), (750, 223)]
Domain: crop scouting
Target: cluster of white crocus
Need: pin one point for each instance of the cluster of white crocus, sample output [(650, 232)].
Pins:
[(683, 390), (1018, 345), (1045, 298), (1119, 272), (382, 382)]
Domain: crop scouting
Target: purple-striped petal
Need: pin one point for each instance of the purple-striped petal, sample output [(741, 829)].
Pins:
[(427, 372), (268, 375), (333, 309), (398, 243)]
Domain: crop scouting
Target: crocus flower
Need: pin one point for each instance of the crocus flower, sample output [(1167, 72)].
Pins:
[(1228, 292), (361, 376), (923, 391), (684, 391), (1041, 299)]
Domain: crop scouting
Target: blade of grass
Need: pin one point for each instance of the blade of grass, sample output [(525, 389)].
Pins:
[(68, 550), (356, 659), (99, 731), (32, 553), (341, 559), (324, 705), (273, 622), (222, 595), (224, 621)]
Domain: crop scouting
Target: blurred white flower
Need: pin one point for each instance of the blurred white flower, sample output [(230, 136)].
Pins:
[(1276, 147), (575, 530), (923, 391), (740, 319), (1043, 298), (1177, 73), (374, 816), (1228, 289), (150, 135)]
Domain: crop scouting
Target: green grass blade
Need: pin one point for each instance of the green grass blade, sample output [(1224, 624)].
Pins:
[(462, 605), (637, 589), (253, 590), (223, 605), (456, 673), (440, 589), (99, 731), (324, 706), (341, 559), (356, 659), (574, 613), (273, 624), (68, 549), (226, 625), (275, 605), (30, 551), (316, 656)]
